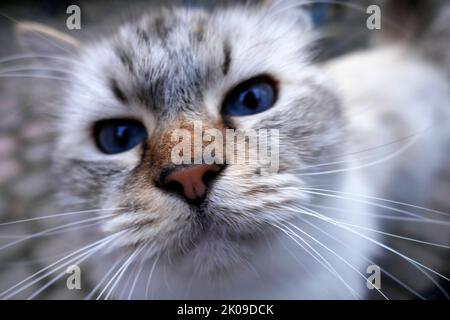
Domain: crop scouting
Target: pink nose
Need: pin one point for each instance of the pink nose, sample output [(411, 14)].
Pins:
[(193, 179)]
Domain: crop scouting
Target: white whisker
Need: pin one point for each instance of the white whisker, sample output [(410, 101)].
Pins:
[(93, 291), (118, 275), (366, 259), (5, 295), (394, 235), (386, 217), (59, 215), (149, 278), (360, 8), (65, 231), (26, 56), (33, 68), (141, 267), (412, 261), (334, 253), (366, 202), (77, 260), (24, 75), (382, 199), (366, 165), (322, 260), (45, 232)]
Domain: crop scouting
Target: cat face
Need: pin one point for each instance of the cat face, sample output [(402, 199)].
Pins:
[(168, 71)]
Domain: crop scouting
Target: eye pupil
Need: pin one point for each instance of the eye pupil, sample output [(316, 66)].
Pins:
[(251, 100), (118, 135), (250, 97), (122, 136)]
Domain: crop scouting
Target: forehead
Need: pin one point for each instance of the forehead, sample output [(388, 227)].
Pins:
[(166, 61)]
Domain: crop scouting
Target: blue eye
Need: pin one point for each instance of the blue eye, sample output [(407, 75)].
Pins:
[(250, 97), (118, 135)]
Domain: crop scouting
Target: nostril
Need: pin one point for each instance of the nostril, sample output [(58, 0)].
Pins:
[(174, 186), (189, 181), (209, 176)]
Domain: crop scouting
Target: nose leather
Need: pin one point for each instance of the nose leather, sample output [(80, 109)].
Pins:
[(192, 179)]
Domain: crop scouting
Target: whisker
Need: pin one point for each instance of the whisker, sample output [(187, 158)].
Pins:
[(118, 276), (141, 267), (387, 217), (384, 200), (149, 278), (394, 235), (366, 259), (36, 56), (5, 295), (368, 203), (412, 261), (46, 39), (322, 260), (366, 165), (346, 4), (65, 231), (377, 148), (135, 254), (64, 214), (93, 291), (7, 71), (129, 277), (334, 253), (24, 75), (391, 234), (79, 259), (43, 233)]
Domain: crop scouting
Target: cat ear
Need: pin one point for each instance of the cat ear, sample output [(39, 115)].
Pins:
[(44, 41)]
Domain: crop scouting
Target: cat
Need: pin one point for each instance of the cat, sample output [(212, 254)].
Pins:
[(351, 131)]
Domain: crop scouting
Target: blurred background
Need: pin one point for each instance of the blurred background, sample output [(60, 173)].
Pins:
[(26, 140)]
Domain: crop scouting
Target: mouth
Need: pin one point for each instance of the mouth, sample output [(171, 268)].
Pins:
[(200, 212)]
